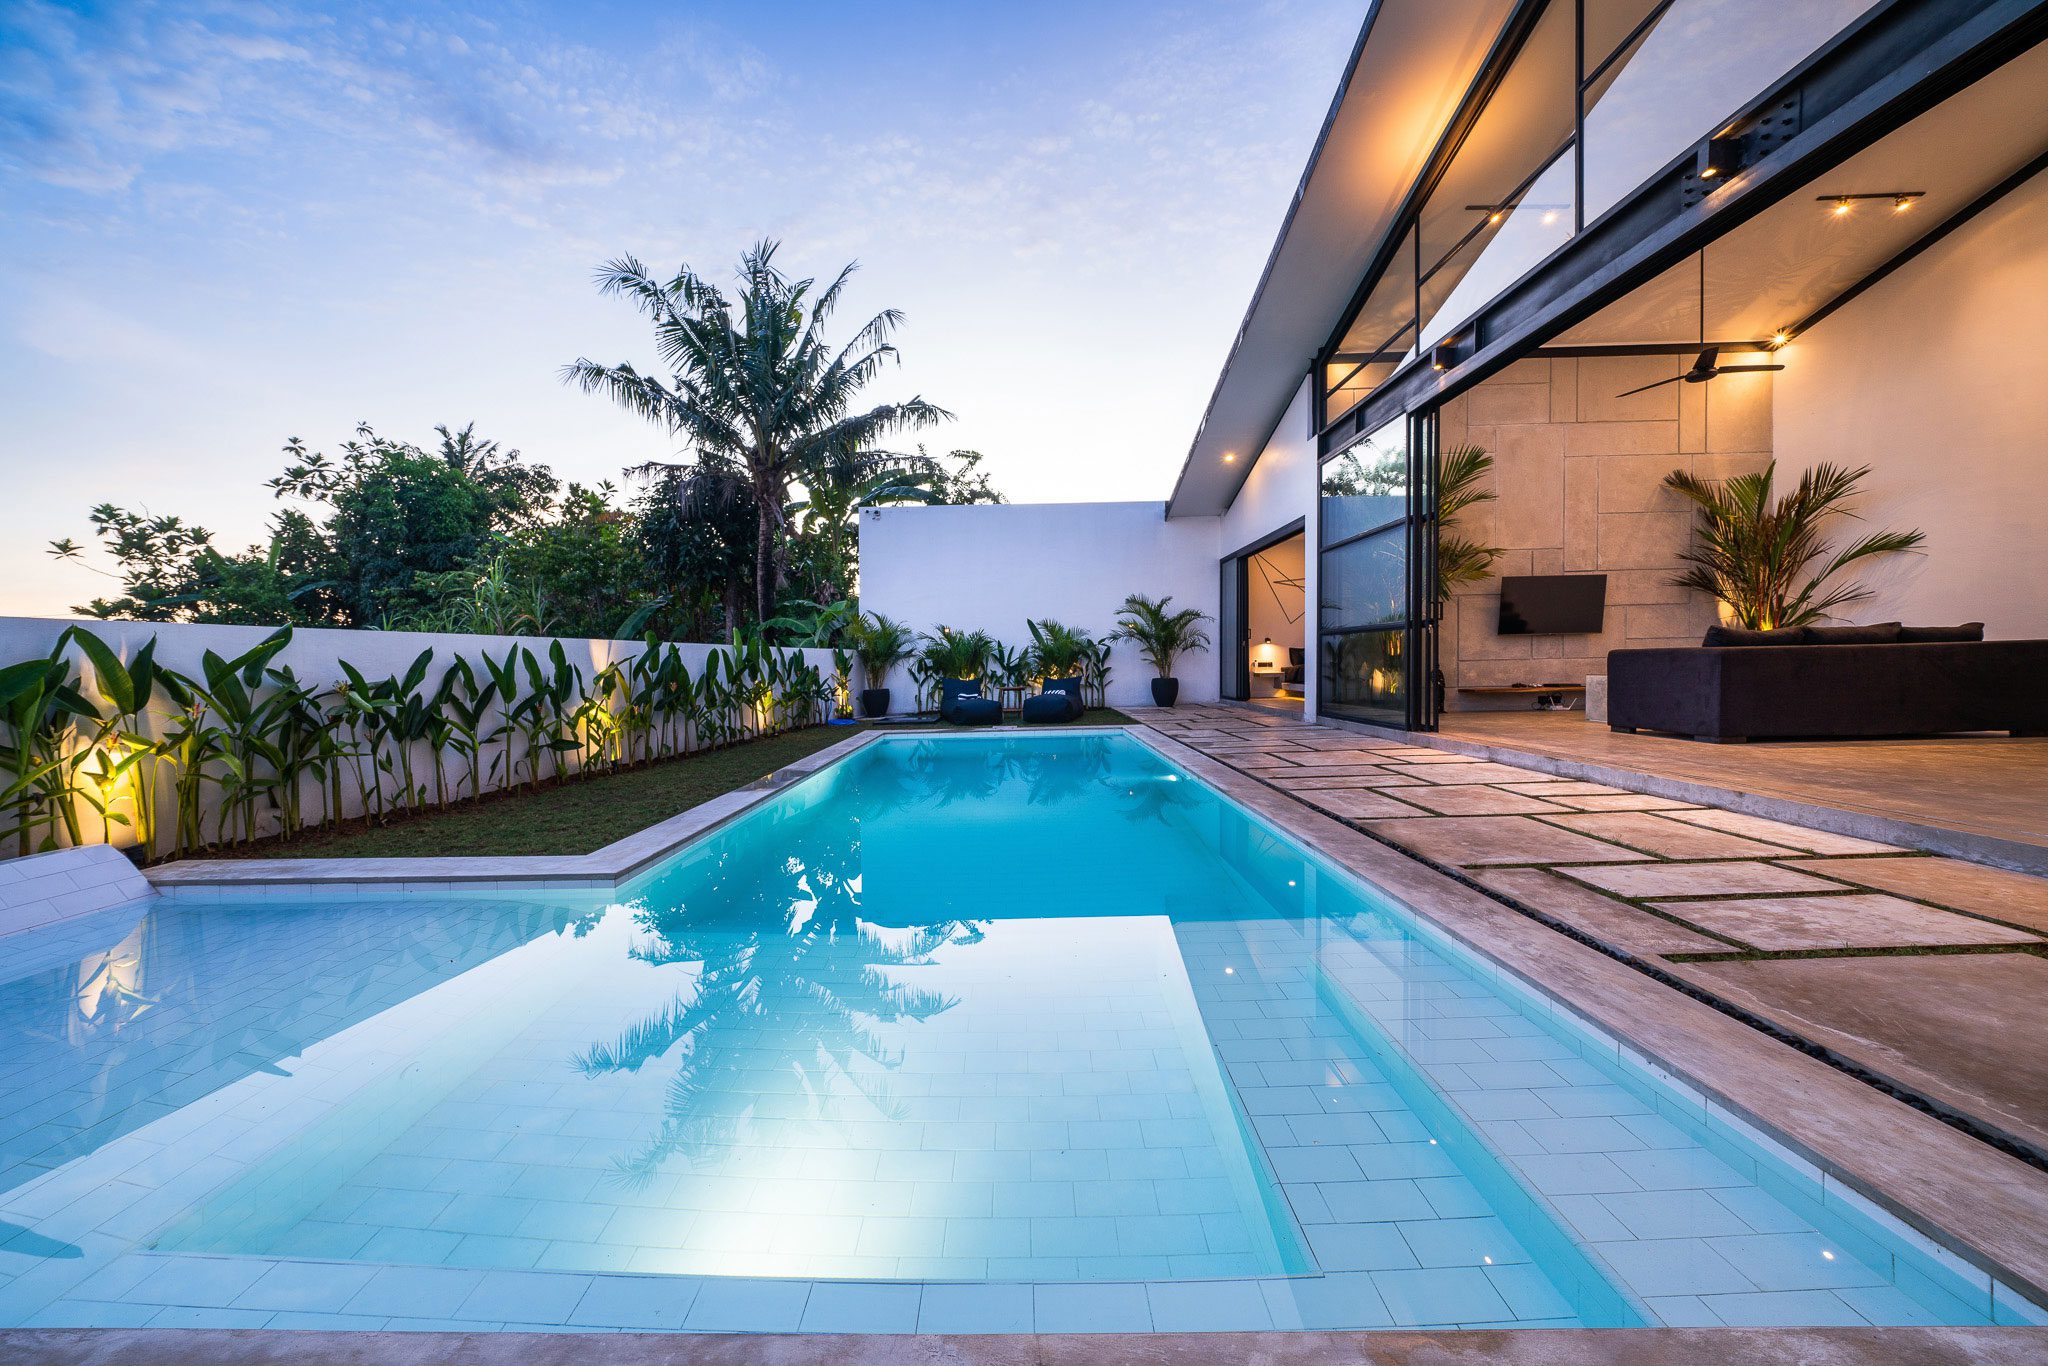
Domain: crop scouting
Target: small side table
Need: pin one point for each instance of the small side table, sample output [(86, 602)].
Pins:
[(1012, 696)]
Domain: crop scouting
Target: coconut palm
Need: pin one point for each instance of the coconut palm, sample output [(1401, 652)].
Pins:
[(755, 390), (1161, 635), (1756, 552)]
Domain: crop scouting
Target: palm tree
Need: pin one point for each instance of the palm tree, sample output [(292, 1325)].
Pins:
[(1160, 635), (1459, 559), (1754, 550), (755, 389)]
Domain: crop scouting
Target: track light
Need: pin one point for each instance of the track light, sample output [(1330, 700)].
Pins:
[(1902, 200)]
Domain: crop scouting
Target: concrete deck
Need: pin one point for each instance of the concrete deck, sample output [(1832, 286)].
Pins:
[(1983, 798), (1558, 1347)]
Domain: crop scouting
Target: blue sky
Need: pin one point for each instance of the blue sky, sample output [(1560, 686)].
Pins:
[(225, 224)]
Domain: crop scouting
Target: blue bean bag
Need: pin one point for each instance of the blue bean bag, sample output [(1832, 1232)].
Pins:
[(1057, 702), (961, 703)]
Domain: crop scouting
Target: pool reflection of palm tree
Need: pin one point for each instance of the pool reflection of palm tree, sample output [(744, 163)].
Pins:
[(791, 984)]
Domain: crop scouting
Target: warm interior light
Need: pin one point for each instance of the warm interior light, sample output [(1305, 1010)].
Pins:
[(1902, 203), (1549, 217), (1842, 207), (1493, 219), (1230, 457), (1779, 338), (1266, 651)]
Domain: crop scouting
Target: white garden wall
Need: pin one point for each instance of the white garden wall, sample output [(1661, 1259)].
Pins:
[(991, 567), (314, 655)]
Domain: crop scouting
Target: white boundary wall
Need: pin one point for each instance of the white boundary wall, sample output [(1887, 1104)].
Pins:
[(315, 655), (991, 567)]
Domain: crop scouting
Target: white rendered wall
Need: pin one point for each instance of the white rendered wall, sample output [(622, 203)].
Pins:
[(314, 656), (1281, 488), (1933, 378), (991, 567)]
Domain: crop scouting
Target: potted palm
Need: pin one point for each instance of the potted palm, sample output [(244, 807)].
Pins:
[(1056, 651), (1755, 551), (1161, 636), (956, 654), (880, 643)]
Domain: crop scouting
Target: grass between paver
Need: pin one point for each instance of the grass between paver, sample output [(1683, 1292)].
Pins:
[(581, 815)]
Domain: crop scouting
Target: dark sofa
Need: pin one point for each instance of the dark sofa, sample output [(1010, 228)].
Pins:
[(1827, 689)]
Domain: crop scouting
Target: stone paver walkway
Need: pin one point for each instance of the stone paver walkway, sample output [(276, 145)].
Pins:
[(1913, 969)]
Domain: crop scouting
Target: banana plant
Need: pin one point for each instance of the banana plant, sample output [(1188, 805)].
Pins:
[(43, 708), (464, 707), (123, 750)]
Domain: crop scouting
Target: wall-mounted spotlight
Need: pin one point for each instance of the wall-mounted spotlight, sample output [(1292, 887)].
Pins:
[(1230, 457), (1841, 204), (1781, 337), (1721, 157), (1451, 352)]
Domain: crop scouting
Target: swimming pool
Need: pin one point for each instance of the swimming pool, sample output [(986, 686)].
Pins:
[(967, 1034)]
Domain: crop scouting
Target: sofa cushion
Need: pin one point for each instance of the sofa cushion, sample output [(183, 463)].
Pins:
[(1883, 633), (1724, 636), (1941, 635)]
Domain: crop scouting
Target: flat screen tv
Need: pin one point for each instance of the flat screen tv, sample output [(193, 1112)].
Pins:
[(1553, 605)]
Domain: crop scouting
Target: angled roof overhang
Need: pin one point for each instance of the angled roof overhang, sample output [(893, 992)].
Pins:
[(1412, 65)]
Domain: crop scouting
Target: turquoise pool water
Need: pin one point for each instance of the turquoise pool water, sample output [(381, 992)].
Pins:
[(961, 1034)]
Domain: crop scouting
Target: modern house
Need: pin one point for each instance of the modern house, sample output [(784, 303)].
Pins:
[(1604, 240)]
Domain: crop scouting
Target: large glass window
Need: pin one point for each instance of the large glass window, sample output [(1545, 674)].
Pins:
[(1506, 197), (1371, 612), (1645, 79), (1692, 65)]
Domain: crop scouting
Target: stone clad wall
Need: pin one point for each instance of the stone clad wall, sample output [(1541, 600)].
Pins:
[(1579, 475)]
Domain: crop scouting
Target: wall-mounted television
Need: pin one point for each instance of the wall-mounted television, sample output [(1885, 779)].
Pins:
[(1553, 605)]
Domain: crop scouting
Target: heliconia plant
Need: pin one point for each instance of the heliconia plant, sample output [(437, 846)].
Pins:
[(246, 748)]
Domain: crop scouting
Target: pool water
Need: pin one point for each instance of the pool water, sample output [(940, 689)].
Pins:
[(962, 1033)]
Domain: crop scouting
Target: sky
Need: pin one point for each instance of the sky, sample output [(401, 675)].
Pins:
[(227, 224)]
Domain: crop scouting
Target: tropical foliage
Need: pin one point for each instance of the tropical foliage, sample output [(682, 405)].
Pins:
[(244, 748), (1757, 552), (1461, 484), (880, 643), (755, 528), (1161, 634), (757, 397)]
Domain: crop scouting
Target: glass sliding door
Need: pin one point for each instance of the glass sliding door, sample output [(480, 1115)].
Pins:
[(1376, 609), (1233, 632)]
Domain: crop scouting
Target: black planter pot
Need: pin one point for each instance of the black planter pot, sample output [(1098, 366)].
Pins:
[(874, 702), (1165, 691)]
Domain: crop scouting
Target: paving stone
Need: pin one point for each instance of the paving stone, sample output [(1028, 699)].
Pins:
[(1477, 771), (1343, 777), (1611, 922), (1782, 832), (1474, 840), (2014, 897), (1625, 801), (1561, 787), (1354, 804), (1859, 920), (1475, 800), (1646, 880), (1662, 835), (1942, 1024), (1332, 758)]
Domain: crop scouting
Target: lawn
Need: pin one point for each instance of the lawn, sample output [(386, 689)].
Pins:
[(579, 816)]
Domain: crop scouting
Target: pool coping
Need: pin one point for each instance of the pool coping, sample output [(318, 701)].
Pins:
[(1933, 1178)]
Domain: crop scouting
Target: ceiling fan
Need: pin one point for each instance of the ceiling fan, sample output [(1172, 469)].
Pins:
[(1704, 365), (1703, 369)]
